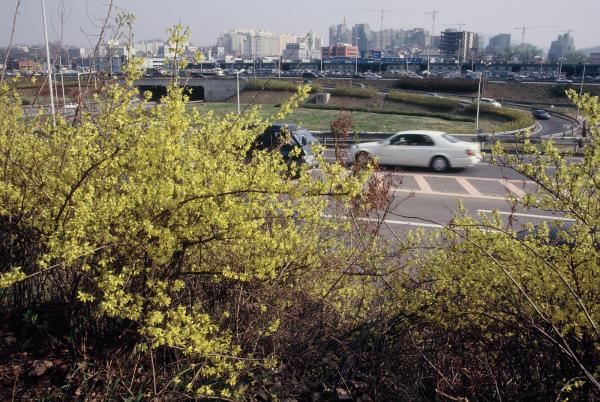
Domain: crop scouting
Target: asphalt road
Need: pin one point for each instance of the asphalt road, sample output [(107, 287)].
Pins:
[(554, 125), (427, 200)]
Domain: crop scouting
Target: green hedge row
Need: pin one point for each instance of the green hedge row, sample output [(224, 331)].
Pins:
[(277, 85), (438, 84), (443, 116), (423, 100), (354, 92), (514, 119)]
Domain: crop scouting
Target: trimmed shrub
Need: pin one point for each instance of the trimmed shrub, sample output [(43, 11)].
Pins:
[(354, 92), (514, 119), (423, 100), (277, 85), (438, 84)]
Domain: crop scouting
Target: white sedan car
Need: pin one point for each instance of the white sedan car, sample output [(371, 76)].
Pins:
[(434, 149), (491, 102)]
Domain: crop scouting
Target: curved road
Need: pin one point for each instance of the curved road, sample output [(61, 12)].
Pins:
[(554, 125)]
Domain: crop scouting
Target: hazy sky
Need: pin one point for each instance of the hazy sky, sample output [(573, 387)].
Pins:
[(207, 19)]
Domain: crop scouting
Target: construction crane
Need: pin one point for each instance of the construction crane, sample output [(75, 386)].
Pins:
[(382, 12), (524, 29), (433, 14), (566, 31)]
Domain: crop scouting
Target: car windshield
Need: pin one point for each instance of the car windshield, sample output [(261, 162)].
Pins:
[(450, 138)]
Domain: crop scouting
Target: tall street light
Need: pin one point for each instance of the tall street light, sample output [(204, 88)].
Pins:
[(356, 58), (581, 87), (478, 104), (237, 78), (49, 63)]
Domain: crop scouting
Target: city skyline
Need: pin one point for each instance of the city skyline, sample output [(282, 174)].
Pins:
[(208, 21)]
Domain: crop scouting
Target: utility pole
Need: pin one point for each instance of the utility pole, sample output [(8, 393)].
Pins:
[(459, 48), (478, 105), (356, 60), (433, 13), (49, 64), (581, 87)]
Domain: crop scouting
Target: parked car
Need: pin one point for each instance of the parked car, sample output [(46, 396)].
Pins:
[(437, 150), (274, 139), (310, 75), (541, 114), (491, 102), (563, 81)]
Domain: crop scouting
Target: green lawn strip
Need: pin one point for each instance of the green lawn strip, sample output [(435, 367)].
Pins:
[(436, 115), (319, 119)]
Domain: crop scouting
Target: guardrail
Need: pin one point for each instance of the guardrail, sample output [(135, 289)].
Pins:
[(563, 141)]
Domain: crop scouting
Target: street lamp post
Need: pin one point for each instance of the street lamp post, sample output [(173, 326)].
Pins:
[(356, 58), (459, 66), (581, 87), (478, 104), (49, 63), (582, 77), (79, 80), (237, 78)]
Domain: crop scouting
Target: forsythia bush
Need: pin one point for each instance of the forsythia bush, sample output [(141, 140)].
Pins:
[(142, 214)]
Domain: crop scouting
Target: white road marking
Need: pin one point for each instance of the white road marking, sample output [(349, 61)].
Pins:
[(389, 221), (423, 185), (466, 177), (456, 195), (468, 187), (556, 218), (513, 189)]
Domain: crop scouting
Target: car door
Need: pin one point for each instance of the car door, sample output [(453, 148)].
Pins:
[(397, 151), (422, 147)]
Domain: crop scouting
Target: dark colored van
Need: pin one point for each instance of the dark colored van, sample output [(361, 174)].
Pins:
[(274, 138)]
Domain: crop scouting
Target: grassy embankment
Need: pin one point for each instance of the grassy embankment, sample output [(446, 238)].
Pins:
[(373, 111)]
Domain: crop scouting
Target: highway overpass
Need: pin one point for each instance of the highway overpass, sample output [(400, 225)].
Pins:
[(211, 89)]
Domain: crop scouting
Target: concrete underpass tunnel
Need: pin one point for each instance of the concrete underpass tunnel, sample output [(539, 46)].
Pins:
[(195, 93)]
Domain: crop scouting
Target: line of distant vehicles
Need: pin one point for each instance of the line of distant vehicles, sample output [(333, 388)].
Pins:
[(371, 75)]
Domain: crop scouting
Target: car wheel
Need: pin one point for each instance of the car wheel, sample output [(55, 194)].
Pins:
[(363, 158), (440, 164)]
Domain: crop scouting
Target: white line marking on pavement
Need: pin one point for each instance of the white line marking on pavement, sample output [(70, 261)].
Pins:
[(557, 218), (423, 185), (468, 187), (390, 222), (466, 177), (513, 189), (456, 195)]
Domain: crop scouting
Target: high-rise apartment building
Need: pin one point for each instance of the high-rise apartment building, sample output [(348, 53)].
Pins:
[(561, 47), (339, 34), (255, 44), (457, 44), (361, 37), (499, 44)]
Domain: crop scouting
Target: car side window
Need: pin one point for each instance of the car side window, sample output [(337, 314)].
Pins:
[(400, 140), (426, 140)]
